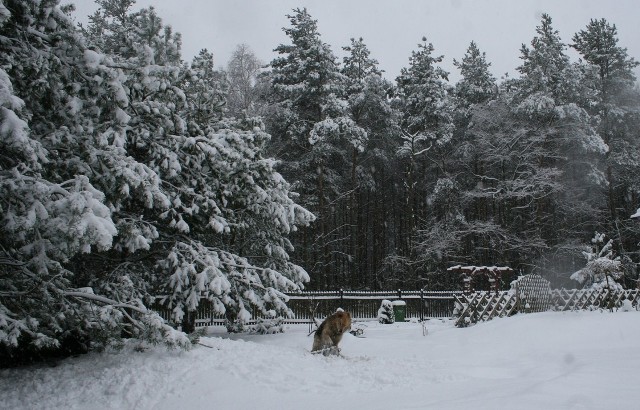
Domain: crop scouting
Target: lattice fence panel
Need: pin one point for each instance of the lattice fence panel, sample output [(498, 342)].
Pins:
[(534, 294), (587, 299), (482, 306)]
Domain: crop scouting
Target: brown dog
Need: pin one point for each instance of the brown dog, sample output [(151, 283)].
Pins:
[(330, 332)]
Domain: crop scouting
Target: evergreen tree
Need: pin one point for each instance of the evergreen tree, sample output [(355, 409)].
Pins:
[(221, 235), (544, 65), (62, 125), (314, 136), (615, 101), (603, 270), (442, 238), (111, 195), (357, 65), (205, 94), (477, 84), (423, 91), (537, 160), (426, 132), (372, 195)]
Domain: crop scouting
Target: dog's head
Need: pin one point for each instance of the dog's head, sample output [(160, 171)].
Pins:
[(345, 321)]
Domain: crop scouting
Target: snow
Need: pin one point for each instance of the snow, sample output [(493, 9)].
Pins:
[(572, 360)]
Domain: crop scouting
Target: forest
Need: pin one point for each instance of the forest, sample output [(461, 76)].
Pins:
[(130, 178)]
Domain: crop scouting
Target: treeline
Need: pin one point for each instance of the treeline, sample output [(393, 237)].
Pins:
[(129, 177), (409, 178)]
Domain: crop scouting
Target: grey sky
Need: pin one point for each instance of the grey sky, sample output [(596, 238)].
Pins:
[(391, 29)]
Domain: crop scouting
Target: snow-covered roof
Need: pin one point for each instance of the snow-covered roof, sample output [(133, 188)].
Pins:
[(479, 269)]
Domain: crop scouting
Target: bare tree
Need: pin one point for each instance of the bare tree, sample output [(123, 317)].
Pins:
[(242, 72)]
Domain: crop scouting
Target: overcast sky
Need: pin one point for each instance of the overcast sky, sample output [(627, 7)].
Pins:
[(391, 29)]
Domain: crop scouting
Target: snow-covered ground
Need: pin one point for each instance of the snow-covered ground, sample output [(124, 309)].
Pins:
[(574, 360)]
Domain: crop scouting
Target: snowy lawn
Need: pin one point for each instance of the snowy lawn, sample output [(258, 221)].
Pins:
[(574, 360)]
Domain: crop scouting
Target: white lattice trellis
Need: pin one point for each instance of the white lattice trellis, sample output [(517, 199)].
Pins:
[(533, 292), (482, 306)]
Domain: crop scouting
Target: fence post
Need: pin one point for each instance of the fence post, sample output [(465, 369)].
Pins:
[(399, 294), (341, 295), (421, 305)]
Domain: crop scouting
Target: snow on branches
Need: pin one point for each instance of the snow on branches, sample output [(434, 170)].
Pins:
[(603, 269)]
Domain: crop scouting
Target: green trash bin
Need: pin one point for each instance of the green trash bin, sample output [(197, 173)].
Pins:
[(399, 310)]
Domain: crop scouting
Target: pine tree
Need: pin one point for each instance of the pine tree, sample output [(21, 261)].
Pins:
[(477, 84), (357, 65), (423, 91), (450, 223), (536, 159), (426, 132), (314, 136), (598, 44), (371, 194), (544, 65), (205, 94), (615, 102), (221, 235), (110, 196), (62, 124), (603, 269)]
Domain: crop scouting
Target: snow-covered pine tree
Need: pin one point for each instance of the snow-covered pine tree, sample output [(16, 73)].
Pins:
[(537, 159), (371, 194), (423, 92), (61, 137), (357, 65), (313, 135), (603, 270), (448, 231), (426, 132), (549, 97), (222, 235), (97, 159), (477, 84), (615, 101), (204, 89)]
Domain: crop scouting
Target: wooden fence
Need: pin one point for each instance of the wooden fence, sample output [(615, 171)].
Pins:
[(482, 306), (586, 299), (362, 305), (465, 308)]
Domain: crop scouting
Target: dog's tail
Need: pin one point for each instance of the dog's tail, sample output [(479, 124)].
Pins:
[(314, 324)]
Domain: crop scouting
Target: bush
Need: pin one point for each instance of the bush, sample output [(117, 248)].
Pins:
[(385, 313)]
